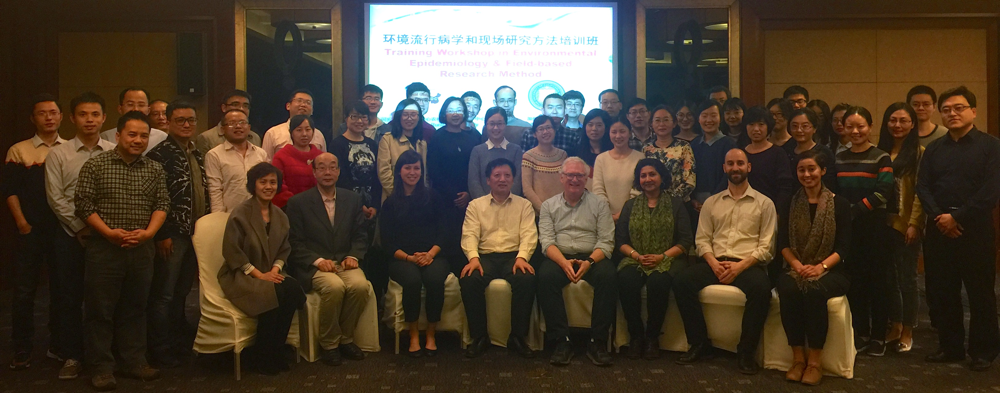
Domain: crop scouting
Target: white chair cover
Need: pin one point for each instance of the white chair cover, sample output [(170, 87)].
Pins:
[(838, 351), (452, 314), (365, 334)]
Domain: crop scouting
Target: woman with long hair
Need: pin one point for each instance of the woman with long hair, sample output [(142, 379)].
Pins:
[(732, 112), (412, 224), (866, 181), (781, 109), (839, 140), (400, 138), (684, 116), (613, 168), (825, 132), (597, 141), (899, 137)]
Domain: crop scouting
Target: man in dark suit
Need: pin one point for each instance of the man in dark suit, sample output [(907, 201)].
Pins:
[(329, 238)]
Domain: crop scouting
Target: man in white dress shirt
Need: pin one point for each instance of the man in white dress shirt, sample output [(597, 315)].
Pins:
[(226, 165), (299, 103)]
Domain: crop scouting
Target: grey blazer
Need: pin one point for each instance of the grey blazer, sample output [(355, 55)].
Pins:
[(313, 236), (247, 241)]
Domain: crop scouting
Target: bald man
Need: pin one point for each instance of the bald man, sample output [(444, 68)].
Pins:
[(329, 239), (738, 260)]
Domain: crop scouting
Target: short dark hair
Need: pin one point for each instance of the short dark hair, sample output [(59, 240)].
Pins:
[(121, 96), (443, 113), (860, 111), (500, 162), (258, 171), (370, 88), (240, 93), (921, 89), (759, 114), (783, 104), (816, 155), (541, 119), (497, 91), (43, 97), (297, 121), (235, 110), (598, 114), (415, 87), (716, 89), (492, 112), (299, 91), (86, 98), (634, 102), (810, 116), (357, 106), (178, 104), (617, 94), (660, 168), (795, 89), (132, 115), (473, 95), (553, 96), (158, 100), (574, 95), (734, 103), (958, 91)]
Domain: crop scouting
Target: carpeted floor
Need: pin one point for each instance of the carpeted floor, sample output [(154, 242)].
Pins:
[(500, 371)]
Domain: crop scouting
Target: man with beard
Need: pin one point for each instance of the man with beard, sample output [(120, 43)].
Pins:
[(736, 240)]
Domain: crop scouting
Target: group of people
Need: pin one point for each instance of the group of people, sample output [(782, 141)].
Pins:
[(792, 196)]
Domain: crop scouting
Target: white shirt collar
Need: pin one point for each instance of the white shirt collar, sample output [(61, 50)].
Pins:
[(490, 144), (37, 141)]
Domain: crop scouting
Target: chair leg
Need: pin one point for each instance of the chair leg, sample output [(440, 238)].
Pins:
[(236, 362), (297, 357), (397, 343)]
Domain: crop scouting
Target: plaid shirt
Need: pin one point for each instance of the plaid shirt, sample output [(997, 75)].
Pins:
[(637, 144), (568, 140), (124, 195)]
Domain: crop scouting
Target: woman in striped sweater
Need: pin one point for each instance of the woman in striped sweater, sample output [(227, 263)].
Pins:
[(866, 180)]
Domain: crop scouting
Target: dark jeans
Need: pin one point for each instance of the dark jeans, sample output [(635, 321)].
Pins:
[(630, 283), (903, 298), (552, 280), (522, 285), (168, 292), (753, 282), (117, 289), (67, 277), (868, 268), (34, 250), (273, 325), (412, 278), (804, 314), (950, 263)]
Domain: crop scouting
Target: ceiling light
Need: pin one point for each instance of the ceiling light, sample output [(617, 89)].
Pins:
[(718, 27), (325, 41), (691, 42), (313, 26)]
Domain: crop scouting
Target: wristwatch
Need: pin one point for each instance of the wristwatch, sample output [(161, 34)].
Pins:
[(825, 268), (591, 260)]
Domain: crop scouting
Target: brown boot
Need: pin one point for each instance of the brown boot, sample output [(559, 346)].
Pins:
[(795, 373), (813, 375)]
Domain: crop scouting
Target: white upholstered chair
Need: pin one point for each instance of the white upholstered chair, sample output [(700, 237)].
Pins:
[(452, 314)]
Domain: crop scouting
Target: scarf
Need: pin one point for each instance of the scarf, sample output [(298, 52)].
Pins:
[(811, 240), (651, 231)]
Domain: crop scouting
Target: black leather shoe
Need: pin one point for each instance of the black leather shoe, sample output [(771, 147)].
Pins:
[(748, 365), (980, 364), (352, 352), (635, 348), (597, 351), (943, 357), (697, 353), (478, 347), (875, 348), (430, 352), (652, 349), (331, 357), (518, 346), (563, 353), (415, 354)]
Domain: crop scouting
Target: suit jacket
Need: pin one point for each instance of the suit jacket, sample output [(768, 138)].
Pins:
[(174, 159), (313, 236), (247, 241)]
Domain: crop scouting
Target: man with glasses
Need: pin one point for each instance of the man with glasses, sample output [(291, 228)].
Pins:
[(574, 101), (569, 141), (638, 115), (472, 102), (505, 97), (135, 99), (158, 114), (577, 237), (371, 95), (226, 165), (923, 99), (419, 92), (177, 267), (959, 185), (300, 102), (797, 95), (234, 100), (610, 100)]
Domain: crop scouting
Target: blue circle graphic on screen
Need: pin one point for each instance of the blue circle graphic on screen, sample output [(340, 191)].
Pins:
[(538, 91)]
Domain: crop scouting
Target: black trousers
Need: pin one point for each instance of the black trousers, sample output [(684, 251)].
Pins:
[(117, 290), (67, 278), (630, 283), (453, 217), (273, 325), (868, 268), (950, 263), (412, 278), (552, 280), (34, 250), (753, 282), (522, 285), (804, 315)]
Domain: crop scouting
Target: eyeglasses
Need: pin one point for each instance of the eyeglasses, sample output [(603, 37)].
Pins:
[(778, 116), (571, 104), (575, 175), (422, 99), (496, 124), (638, 112), (182, 120), (505, 101), (324, 168), (957, 109), (455, 111), (918, 105), (902, 122), (357, 117), (302, 101), (803, 127), (241, 123), (410, 115), (237, 104), (371, 99), (800, 101)]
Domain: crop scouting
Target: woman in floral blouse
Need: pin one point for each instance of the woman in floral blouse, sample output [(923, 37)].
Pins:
[(674, 153)]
